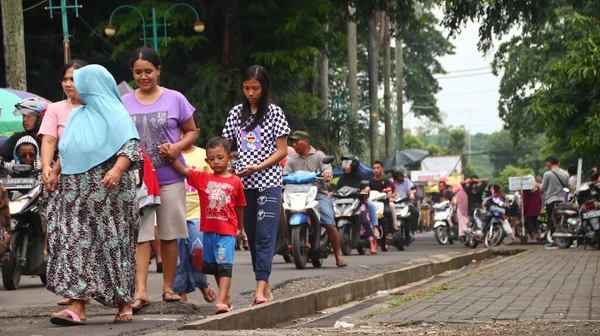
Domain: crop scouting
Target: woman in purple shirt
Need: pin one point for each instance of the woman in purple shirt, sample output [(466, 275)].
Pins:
[(159, 115)]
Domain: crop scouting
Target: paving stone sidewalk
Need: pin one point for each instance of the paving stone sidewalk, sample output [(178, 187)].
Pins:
[(539, 285)]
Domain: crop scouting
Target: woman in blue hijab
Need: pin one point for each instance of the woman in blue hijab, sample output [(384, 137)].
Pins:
[(94, 216)]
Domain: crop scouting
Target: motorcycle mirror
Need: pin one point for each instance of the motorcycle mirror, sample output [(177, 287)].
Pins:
[(328, 159), (413, 187), (364, 184)]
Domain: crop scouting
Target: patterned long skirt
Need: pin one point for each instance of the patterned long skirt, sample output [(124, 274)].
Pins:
[(92, 237), (4, 221)]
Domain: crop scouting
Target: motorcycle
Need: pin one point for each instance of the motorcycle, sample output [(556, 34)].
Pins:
[(348, 206), (28, 237), (578, 221), (486, 225), (308, 239), (380, 199), (401, 208), (445, 230)]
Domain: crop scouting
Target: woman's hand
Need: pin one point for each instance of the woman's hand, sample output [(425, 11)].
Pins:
[(112, 179), (248, 170), (49, 179), (169, 151)]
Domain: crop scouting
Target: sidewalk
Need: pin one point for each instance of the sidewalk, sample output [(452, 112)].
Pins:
[(538, 285)]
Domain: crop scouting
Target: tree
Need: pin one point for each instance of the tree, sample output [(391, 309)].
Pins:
[(457, 141), (14, 44), (511, 171)]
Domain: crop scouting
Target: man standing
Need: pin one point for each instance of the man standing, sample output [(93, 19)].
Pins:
[(553, 188), (475, 188), (307, 158), (380, 183)]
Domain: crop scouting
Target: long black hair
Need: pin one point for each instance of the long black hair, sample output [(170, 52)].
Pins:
[(260, 74)]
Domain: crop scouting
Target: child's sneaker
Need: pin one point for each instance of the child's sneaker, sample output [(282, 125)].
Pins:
[(550, 246)]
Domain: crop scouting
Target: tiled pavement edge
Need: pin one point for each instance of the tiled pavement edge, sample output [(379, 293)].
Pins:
[(543, 284)]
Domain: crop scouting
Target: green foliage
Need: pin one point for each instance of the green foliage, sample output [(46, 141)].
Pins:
[(434, 150), (457, 141), (411, 141), (511, 171)]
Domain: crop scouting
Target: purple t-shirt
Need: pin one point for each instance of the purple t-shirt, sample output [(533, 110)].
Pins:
[(159, 123)]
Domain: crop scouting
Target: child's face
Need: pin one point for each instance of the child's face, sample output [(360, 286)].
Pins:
[(218, 159), (26, 153)]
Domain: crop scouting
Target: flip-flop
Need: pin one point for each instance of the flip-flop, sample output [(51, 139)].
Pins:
[(119, 317), (172, 299), (72, 320), (206, 297), (341, 263), (144, 303), (260, 300), (222, 308), (67, 302)]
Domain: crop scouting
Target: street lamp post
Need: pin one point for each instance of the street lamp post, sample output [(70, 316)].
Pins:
[(111, 30), (63, 7)]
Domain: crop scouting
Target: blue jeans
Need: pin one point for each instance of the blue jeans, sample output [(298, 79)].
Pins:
[(261, 222), (373, 213), (186, 279)]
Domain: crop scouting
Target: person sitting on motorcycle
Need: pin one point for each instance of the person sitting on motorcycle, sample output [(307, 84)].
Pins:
[(404, 187), (32, 110), (307, 158), (444, 194), (496, 193), (475, 189), (352, 178), (380, 183), (26, 152)]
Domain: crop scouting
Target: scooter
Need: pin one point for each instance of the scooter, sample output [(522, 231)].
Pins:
[(487, 225), (379, 199), (28, 237), (445, 230), (348, 206), (308, 239), (402, 210)]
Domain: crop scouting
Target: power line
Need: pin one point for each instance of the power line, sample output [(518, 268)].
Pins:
[(96, 33), (466, 93), (35, 6), (462, 76), (468, 70)]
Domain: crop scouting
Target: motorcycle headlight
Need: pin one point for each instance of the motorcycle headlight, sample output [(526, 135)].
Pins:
[(13, 224), (17, 205)]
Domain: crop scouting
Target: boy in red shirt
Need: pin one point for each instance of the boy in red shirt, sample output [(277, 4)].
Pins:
[(222, 201)]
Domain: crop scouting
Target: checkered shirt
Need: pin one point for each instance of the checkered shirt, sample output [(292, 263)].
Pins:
[(274, 126)]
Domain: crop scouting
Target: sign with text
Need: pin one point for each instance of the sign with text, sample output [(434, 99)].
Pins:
[(521, 183)]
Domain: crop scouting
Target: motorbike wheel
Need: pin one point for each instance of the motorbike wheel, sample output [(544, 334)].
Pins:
[(11, 271), (299, 248), (383, 241), (494, 238), (317, 261), (287, 258), (360, 250), (400, 239), (562, 243), (471, 243), (346, 240), (441, 235), (453, 234)]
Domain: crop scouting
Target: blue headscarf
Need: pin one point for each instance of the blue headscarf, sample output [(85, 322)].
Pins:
[(96, 131)]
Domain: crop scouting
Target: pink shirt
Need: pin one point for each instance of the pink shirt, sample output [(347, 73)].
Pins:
[(55, 119)]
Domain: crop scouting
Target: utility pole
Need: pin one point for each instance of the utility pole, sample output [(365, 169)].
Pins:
[(63, 7), (373, 88), (14, 44), (352, 65), (387, 73), (399, 91), (324, 82)]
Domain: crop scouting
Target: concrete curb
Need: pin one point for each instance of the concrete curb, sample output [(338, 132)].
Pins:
[(284, 310)]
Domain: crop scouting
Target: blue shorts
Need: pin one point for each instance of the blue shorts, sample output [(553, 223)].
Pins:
[(326, 210), (217, 254)]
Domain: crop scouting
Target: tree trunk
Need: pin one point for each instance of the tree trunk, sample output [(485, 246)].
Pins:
[(352, 66), (314, 84), (324, 82), (14, 44), (373, 85), (399, 92), (387, 70)]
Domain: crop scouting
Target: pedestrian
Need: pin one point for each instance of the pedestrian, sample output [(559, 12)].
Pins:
[(572, 170), (94, 211), (553, 188), (260, 130), (222, 204), (532, 208), (186, 278), (160, 114), (462, 212)]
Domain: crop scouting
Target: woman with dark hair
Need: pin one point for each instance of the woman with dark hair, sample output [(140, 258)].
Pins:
[(160, 114), (260, 129)]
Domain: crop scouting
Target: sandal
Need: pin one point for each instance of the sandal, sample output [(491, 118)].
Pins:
[(245, 245), (68, 302), (143, 303), (260, 300), (128, 317), (72, 320), (210, 292), (222, 308), (172, 297), (341, 263)]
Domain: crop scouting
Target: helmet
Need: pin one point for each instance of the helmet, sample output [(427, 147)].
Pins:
[(32, 106), (350, 160), (397, 171)]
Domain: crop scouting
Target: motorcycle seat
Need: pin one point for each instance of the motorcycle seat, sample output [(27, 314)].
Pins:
[(566, 206)]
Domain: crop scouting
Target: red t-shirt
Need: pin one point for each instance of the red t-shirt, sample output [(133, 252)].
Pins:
[(218, 198)]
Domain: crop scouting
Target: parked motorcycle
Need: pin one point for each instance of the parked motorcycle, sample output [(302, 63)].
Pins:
[(579, 220), (486, 224), (28, 237), (348, 205), (308, 239), (445, 229)]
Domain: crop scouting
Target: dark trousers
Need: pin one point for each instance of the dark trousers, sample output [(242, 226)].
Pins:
[(550, 217), (261, 221), (533, 225)]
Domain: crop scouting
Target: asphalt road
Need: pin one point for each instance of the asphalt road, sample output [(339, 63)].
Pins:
[(26, 310)]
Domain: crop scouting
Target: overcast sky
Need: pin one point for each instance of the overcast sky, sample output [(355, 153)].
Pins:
[(469, 95)]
